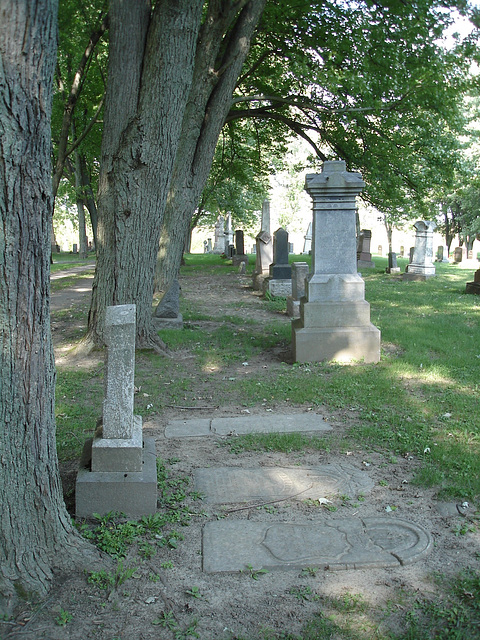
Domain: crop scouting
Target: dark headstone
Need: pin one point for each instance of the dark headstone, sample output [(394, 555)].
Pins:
[(280, 269), (169, 305), (239, 244)]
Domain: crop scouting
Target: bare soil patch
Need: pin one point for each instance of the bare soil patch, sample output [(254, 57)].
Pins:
[(170, 596)]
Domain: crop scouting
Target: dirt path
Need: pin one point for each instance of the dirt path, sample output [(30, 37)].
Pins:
[(171, 597)]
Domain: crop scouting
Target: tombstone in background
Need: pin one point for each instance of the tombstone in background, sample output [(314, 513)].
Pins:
[(474, 287), (299, 274), (228, 231), (219, 242), (334, 321), (209, 245), (290, 247), (279, 281), (380, 250), (239, 256), (421, 267), (75, 249), (205, 246), (264, 249), (364, 257), (307, 245), (402, 251), (411, 251), (230, 251), (445, 257), (167, 314), (118, 468), (392, 263), (457, 254)]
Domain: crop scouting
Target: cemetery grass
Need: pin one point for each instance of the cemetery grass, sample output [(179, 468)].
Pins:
[(411, 422)]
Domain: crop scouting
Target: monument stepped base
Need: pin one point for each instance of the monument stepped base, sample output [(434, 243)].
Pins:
[(343, 344), (134, 493)]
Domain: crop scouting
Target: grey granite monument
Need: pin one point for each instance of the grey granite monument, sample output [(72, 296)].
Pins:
[(334, 321), (364, 256), (118, 468), (421, 266)]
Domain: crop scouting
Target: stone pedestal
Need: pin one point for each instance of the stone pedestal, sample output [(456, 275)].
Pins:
[(115, 473), (392, 263), (421, 266), (474, 287), (334, 321), (264, 258)]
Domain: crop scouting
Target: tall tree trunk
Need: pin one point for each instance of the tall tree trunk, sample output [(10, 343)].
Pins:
[(151, 62), (36, 534), (223, 45)]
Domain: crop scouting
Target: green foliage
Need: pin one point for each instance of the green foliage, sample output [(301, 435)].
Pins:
[(63, 618), (111, 579)]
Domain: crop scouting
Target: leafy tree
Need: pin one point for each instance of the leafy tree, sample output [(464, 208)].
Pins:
[(36, 533)]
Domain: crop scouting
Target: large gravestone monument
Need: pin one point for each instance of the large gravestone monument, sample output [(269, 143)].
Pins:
[(279, 282), (118, 468), (334, 321), (421, 266), (263, 249)]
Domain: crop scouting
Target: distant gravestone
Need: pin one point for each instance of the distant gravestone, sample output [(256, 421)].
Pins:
[(458, 254), (167, 314), (263, 259), (239, 255), (402, 251), (299, 275), (392, 263), (307, 245), (364, 257), (334, 321), (219, 242), (279, 282), (228, 231), (474, 287), (118, 469), (421, 267)]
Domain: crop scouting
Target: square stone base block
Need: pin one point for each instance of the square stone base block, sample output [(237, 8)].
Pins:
[(132, 493), (473, 287), (293, 307), (168, 323), (343, 344), (280, 288), (417, 276)]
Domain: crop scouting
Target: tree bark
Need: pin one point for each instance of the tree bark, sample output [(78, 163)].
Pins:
[(150, 72), (223, 44), (82, 230), (36, 534)]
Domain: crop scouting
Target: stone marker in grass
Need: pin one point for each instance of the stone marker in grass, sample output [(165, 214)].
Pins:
[(334, 321), (118, 468)]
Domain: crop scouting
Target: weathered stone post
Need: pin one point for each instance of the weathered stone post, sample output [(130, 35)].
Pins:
[(264, 249), (118, 468), (299, 275), (334, 321)]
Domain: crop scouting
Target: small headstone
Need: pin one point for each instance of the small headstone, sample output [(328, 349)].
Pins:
[(167, 314), (364, 257), (239, 255), (392, 263), (228, 232), (230, 251), (445, 257), (279, 282), (209, 245), (421, 266), (402, 251), (299, 275), (380, 250), (474, 287), (458, 254), (75, 249)]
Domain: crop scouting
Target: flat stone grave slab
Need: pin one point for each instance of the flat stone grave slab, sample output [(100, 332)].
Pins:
[(274, 423), (233, 484), (344, 543)]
